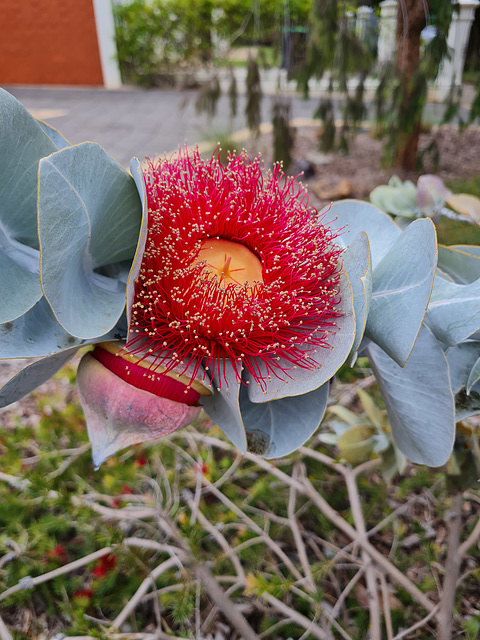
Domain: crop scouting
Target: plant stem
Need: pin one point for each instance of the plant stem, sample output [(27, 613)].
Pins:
[(452, 570), (370, 574), (4, 632)]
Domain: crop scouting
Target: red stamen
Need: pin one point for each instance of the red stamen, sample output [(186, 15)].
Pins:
[(183, 315)]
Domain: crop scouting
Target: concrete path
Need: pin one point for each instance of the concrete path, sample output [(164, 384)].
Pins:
[(139, 123), (136, 122)]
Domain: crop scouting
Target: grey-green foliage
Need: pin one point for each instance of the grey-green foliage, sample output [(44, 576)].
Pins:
[(283, 132), (254, 97), (233, 95), (417, 321), (413, 376), (208, 97), (56, 294)]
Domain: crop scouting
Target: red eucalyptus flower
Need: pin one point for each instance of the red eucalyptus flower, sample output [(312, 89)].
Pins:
[(235, 281), (236, 267)]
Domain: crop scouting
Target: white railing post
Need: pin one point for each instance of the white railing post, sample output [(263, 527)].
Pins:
[(451, 70), (363, 24), (386, 38)]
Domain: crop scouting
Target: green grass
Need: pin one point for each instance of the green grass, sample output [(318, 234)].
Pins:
[(454, 231), (55, 509)]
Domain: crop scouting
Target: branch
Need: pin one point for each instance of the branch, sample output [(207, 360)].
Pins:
[(307, 489), (4, 632), (470, 541), (371, 578), (452, 570), (297, 536), (142, 590), (418, 625), (224, 603), (28, 583), (313, 629)]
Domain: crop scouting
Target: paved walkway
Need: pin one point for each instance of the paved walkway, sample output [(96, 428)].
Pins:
[(135, 122), (138, 123)]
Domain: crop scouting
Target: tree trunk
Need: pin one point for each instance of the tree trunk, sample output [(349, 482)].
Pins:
[(411, 19)]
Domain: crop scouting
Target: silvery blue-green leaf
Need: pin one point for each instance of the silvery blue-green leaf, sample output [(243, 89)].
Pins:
[(33, 376), (55, 136), (454, 310), (22, 144), (402, 284), (471, 249), (474, 376), (461, 266), (117, 270), (38, 334), (357, 216), (89, 216), (397, 198), (330, 360), (20, 286), (358, 265), (418, 399), (137, 174), (224, 409), (461, 359), (467, 405), (278, 427)]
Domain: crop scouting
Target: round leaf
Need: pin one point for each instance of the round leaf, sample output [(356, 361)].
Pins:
[(20, 286), (402, 284), (38, 334), (22, 145), (355, 216), (397, 198), (224, 409), (33, 376), (418, 399), (137, 174), (357, 262), (465, 203), (454, 310), (461, 266), (89, 216), (55, 136), (278, 427)]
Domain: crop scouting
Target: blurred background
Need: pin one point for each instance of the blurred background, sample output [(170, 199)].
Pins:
[(272, 75)]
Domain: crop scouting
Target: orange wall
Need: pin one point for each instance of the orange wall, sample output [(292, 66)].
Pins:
[(49, 42)]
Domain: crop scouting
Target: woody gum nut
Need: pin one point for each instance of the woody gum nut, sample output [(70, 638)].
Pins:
[(119, 415)]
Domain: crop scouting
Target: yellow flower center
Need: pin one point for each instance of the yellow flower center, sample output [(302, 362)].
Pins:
[(230, 262)]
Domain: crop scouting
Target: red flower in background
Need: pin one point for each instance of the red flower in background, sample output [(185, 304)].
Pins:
[(83, 593), (106, 564), (57, 553)]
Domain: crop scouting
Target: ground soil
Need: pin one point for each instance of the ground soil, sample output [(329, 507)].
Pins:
[(355, 175)]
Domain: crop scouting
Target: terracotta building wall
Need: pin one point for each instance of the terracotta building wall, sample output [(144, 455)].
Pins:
[(49, 42)]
